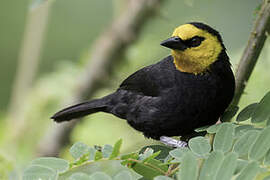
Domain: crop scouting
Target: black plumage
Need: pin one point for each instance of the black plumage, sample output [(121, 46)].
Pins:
[(160, 100)]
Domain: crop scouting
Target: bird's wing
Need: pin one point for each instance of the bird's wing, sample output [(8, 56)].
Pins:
[(141, 82)]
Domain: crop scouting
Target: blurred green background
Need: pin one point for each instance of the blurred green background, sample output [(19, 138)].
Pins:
[(73, 26)]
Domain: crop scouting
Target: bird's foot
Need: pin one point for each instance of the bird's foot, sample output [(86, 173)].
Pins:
[(172, 142)]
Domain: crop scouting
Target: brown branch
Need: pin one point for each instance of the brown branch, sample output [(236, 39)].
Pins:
[(252, 50), (105, 54), (28, 61)]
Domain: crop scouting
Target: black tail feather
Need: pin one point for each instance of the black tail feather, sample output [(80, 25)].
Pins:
[(79, 110)]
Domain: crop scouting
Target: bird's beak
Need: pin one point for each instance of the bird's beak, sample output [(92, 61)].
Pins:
[(175, 43)]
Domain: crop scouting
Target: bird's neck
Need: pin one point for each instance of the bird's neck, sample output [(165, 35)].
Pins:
[(186, 64)]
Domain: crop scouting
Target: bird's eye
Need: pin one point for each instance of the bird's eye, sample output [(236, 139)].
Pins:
[(195, 41)]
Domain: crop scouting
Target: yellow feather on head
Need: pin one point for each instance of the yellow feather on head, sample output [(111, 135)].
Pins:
[(198, 59)]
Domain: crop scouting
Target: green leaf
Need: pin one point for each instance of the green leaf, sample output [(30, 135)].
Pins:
[(110, 167), (229, 113), (201, 129), (116, 149), (178, 153), (92, 153), (152, 157), (227, 167), (213, 129), (164, 150), (267, 159), (249, 172), (79, 176), (242, 129), (246, 113), (147, 153), (244, 143), (168, 159), (162, 178), (133, 155), (146, 171), (126, 158), (57, 164), (123, 175), (189, 167), (158, 164), (262, 111), (35, 172), (199, 145), (107, 151), (79, 149), (211, 166), (98, 155), (261, 145), (241, 164), (100, 176), (224, 137)]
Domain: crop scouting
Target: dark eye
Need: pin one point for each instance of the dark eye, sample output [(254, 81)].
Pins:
[(195, 41)]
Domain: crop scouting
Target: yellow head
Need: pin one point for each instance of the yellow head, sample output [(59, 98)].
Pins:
[(195, 46)]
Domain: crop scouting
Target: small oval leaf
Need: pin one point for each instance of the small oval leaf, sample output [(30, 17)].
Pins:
[(110, 167), (39, 172), (57, 164), (189, 168), (249, 172), (107, 150), (241, 129), (199, 145), (244, 143), (92, 153), (241, 164), (78, 149), (224, 137), (261, 145), (211, 166), (246, 113), (229, 113), (227, 167), (79, 176), (213, 129), (123, 175), (262, 110), (178, 153), (100, 176)]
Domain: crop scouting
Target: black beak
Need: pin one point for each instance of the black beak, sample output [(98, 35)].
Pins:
[(174, 43)]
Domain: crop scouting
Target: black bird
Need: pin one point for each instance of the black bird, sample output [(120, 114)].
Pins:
[(189, 89)]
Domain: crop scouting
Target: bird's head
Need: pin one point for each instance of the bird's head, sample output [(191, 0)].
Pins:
[(195, 46)]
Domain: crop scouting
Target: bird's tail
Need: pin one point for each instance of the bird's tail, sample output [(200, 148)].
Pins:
[(80, 110)]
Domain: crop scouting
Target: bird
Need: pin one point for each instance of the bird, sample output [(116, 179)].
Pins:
[(188, 89)]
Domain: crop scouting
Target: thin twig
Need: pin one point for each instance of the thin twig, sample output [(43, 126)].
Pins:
[(28, 61), (252, 50)]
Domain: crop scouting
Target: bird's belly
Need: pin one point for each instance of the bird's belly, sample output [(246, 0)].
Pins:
[(172, 118)]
